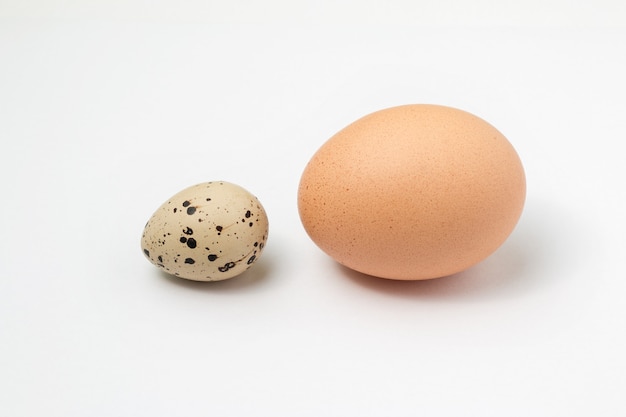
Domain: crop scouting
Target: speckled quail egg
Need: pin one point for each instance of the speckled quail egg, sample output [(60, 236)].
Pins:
[(208, 232)]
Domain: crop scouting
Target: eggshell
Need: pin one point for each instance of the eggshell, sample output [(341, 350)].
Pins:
[(208, 232), (412, 192)]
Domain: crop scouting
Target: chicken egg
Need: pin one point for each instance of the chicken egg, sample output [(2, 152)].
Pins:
[(412, 192), (207, 232)]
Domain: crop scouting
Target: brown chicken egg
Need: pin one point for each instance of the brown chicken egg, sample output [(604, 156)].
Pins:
[(412, 192)]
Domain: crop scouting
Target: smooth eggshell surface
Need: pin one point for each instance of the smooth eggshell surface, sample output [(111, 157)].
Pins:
[(208, 232), (412, 192)]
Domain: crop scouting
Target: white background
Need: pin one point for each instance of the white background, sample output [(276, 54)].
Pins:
[(108, 108)]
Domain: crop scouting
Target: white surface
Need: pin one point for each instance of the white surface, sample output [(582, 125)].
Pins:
[(109, 108)]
